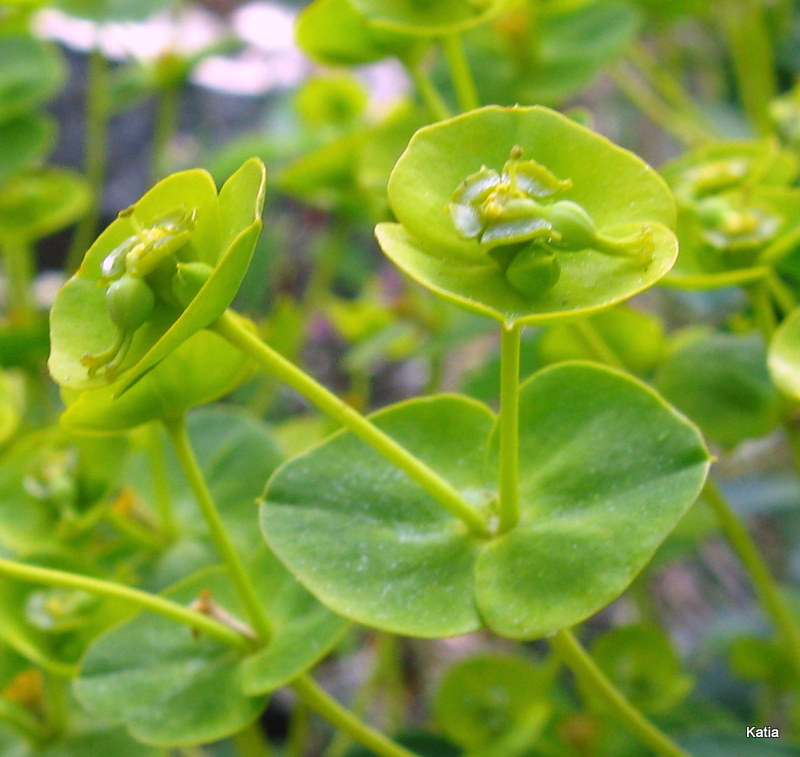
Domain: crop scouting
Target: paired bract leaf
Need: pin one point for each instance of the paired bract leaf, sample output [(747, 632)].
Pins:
[(622, 196), (23, 140), (30, 74), (721, 382), (185, 378), (171, 688), (431, 18), (222, 233), (606, 470)]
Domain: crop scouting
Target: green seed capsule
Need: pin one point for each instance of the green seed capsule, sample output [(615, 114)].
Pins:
[(130, 302), (533, 271)]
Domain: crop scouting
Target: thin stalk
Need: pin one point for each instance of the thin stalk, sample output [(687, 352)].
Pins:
[(19, 270), (750, 48), (96, 155), (671, 89), (216, 527), (329, 403), (165, 127), (781, 294), (321, 702), (655, 108), (160, 481), (31, 651), (56, 702), (463, 83), (753, 562), (577, 658), (427, 91), (251, 742), (21, 720), (763, 312), (298, 731), (509, 427), (135, 597), (596, 344)]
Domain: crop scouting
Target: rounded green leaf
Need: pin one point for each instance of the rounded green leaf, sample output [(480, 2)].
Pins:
[(223, 235), (31, 72), (24, 140), (333, 32), (721, 382), (185, 378), (166, 685), (622, 196), (606, 470), (366, 540), (204, 689), (494, 704), (430, 18), (36, 203)]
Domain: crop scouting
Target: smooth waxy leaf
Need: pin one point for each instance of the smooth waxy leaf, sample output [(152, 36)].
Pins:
[(606, 470), (223, 235), (494, 705), (784, 356), (39, 202), (430, 18), (23, 140), (185, 378), (721, 382), (31, 72), (86, 740), (335, 33), (621, 194), (170, 688)]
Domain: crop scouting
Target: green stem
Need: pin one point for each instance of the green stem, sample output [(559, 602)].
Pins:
[(509, 427), (655, 108), (19, 270), (164, 129), (141, 599), (763, 582), (464, 84), (782, 295), (763, 311), (427, 91), (298, 731), (56, 697), (231, 330), (321, 702), (160, 480), (96, 157), (251, 742), (750, 48), (596, 344), (578, 659), (216, 527), (21, 720)]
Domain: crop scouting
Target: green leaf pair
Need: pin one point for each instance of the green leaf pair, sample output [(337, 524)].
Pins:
[(606, 470), (616, 237), (185, 248)]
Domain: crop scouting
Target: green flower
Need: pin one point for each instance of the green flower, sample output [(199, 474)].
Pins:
[(568, 224), (166, 268)]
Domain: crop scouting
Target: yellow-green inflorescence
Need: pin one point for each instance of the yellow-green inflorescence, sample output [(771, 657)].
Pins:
[(517, 217), (132, 273)]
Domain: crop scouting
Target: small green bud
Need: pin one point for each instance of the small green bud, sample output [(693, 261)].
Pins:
[(533, 271), (573, 225), (130, 302), (189, 280)]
